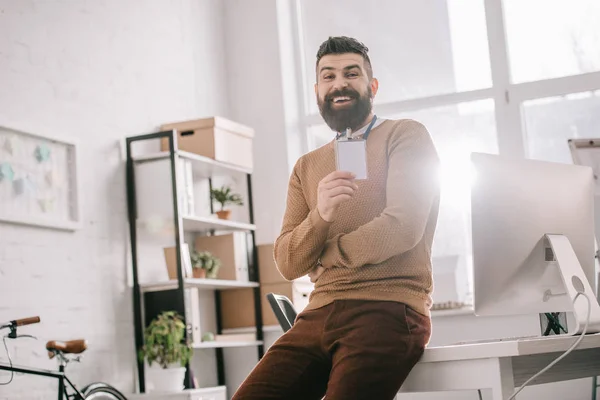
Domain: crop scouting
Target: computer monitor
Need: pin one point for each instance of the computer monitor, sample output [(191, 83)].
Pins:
[(533, 238)]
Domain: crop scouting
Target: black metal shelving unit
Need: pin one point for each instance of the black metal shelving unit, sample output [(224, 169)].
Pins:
[(151, 300)]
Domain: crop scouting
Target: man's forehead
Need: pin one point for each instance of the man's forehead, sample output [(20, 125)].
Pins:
[(340, 61)]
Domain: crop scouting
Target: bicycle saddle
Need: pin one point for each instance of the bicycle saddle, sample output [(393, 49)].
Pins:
[(68, 347)]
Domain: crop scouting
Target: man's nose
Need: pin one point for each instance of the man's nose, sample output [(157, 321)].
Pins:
[(340, 83)]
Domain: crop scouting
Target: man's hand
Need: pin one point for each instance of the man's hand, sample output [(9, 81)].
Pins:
[(333, 190), (315, 273)]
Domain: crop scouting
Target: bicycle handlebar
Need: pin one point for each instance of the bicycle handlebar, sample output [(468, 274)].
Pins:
[(20, 322), (26, 321)]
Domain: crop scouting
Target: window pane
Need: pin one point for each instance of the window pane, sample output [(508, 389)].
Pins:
[(417, 48), (318, 135), (552, 38), (550, 122), (457, 131)]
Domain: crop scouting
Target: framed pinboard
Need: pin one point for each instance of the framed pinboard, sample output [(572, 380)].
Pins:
[(39, 185)]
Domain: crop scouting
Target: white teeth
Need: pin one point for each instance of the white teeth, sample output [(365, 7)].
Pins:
[(338, 99)]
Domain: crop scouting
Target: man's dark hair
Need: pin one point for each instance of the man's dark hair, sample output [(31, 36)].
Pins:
[(344, 44)]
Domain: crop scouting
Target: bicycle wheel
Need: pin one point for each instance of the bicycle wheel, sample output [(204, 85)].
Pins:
[(101, 391)]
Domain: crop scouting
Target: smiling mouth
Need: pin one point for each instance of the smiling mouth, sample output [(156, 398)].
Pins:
[(341, 100)]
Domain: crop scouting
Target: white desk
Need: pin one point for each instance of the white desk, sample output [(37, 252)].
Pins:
[(502, 366)]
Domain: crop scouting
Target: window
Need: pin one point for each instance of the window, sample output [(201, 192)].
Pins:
[(318, 135), (435, 60), (552, 38), (457, 130), (550, 122), (417, 48)]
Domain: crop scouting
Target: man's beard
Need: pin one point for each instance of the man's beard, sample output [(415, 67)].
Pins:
[(348, 117)]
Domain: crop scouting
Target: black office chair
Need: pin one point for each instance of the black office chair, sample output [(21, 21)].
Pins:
[(283, 309)]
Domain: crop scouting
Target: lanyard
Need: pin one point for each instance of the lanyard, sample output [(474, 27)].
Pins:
[(365, 135)]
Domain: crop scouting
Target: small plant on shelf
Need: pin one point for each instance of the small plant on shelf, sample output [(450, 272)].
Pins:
[(164, 342), (224, 196), (204, 264), (166, 351)]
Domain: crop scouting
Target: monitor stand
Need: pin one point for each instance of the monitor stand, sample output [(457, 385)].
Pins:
[(575, 281)]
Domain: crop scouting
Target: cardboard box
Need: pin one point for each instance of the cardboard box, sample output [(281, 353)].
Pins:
[(171, 261), (231, 249), (237, 306), (216, 137), (267, 268)]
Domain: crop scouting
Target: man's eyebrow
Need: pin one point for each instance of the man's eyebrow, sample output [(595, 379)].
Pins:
[(349, 67), (352, 67)]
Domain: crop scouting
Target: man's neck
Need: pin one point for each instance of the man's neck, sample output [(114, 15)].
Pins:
[(361, 126)]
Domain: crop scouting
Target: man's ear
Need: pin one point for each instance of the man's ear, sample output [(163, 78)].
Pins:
[(374, 86), (316, 90)]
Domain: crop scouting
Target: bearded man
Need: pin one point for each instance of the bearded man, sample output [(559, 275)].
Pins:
[(366, 245)]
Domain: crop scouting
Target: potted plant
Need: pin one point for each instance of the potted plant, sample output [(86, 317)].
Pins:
[(166, 352), (224, 196), (204, 264)]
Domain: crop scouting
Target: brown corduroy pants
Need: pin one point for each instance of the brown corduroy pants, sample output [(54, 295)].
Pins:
[(350, 350)]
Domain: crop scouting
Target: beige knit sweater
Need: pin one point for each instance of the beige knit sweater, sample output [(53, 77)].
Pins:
[(379, 245)]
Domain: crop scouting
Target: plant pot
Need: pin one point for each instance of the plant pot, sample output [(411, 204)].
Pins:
[(165, 379), (224, 214), (199, 273)]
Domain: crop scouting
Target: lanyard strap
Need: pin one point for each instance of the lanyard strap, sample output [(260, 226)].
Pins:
[(366, 134)]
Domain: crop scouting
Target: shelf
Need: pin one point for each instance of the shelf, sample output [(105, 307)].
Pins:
[(222, 344), (163, 292), (203, 167), (207, 284), (201, 224), (266, 328)]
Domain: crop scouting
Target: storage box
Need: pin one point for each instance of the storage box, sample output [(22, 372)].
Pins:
[(216, 137), (231, 249), (237, 306), (171, 261)]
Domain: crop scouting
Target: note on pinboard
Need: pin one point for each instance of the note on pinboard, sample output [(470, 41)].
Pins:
[(38, 180)]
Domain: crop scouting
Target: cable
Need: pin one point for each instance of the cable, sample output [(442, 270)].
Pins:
[(12, 373), (569, 350)]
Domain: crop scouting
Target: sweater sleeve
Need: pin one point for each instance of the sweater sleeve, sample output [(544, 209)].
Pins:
[(303, 234), (412, 186)]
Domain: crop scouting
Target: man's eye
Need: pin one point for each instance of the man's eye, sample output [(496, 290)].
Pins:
[(352, 74), (328, 77)]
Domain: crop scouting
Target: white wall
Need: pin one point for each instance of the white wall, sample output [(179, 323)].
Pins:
[(256, 99), (95, 71)]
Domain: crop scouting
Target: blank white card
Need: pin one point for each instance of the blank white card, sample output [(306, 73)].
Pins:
[(351, 155)]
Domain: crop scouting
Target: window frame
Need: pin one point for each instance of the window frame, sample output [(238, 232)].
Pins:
[(508, 97)]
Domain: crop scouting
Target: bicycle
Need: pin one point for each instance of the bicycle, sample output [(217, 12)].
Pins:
[(60, 350)]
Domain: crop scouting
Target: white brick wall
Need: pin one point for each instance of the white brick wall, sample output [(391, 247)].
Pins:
[(96, 71)]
